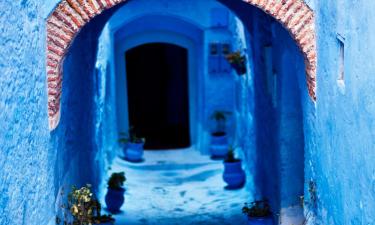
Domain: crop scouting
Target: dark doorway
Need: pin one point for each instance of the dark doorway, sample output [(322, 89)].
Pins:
[(157, 81)]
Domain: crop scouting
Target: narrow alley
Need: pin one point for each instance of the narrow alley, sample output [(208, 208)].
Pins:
[(178, 187)]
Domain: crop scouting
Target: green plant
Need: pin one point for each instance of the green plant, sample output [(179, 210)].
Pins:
[(235, 58), (84, 208), (116, 181), (123, 138), (257, 209), (237, 61), (231, 156), (132, 137), (220, 117)]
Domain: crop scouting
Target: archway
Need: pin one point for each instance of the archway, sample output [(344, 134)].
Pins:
[(138, 30), (70, 16)]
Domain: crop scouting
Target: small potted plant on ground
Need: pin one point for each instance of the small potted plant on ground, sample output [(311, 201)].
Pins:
[(237, 61), (258, 213), (134, 152), (219, 139), (233, 174), (115, 193), (84, 209)]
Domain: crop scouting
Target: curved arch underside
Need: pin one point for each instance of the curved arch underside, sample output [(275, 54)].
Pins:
[(70, 16)]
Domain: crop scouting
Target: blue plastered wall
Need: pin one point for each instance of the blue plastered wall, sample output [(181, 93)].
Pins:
[(208, 92), (270, 109), (26, 159), (37, 165), (338, 129), (343, 161)]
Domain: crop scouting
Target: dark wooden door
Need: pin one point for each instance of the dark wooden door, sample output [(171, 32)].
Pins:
[(157, 81)]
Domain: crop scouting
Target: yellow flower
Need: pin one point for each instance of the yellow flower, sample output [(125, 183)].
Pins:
[(74, 210)]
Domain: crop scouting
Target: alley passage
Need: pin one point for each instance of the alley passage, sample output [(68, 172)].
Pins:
[(178, 187)]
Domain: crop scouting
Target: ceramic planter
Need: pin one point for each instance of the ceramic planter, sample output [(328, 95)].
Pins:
[(219, 145), (260, 221), (134, 152), (234, 175), (239, 68), (124, 147), (114, 199)]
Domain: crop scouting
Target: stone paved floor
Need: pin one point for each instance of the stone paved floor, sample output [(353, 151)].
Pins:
[(178, 187)]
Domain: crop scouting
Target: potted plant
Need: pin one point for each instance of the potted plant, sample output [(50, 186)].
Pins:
[(134, 152), (84, 209), (233, 174), (237, 61), (219, 139), (258, 213), (115, 193)]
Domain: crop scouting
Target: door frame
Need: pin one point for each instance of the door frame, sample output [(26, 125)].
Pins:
[(132, 41)]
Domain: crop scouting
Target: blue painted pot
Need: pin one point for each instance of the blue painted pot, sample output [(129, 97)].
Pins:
[(234, 175), (219, 146), (124, 148), (114, 199), (239, 68), (134, 152), (260, 221)]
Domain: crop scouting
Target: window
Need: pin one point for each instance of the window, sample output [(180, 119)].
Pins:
[(341, 63), (341, 60)]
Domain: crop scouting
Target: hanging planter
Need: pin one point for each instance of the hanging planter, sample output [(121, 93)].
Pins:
[(237, 62)]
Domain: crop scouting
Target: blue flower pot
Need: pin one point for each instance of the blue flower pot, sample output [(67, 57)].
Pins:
[(260, 221), (124, 148), (239, 68), (134, 152), (114, 199), (234, 175), (219, 146)]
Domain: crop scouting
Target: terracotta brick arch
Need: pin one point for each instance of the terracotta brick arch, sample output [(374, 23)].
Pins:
[(70, 16)]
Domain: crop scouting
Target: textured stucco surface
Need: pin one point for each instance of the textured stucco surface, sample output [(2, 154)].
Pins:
[(178, 23), (35, 163), (69, 17), (338, 129), (26, 161), (343, 159)]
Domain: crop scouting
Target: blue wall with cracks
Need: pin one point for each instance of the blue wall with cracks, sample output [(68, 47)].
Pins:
[(337, 136)]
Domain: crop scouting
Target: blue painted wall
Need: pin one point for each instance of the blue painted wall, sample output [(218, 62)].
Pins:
[(26, 161), (336, 133), (270, 113), (35, 164), (175, 22), (343, 161)]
